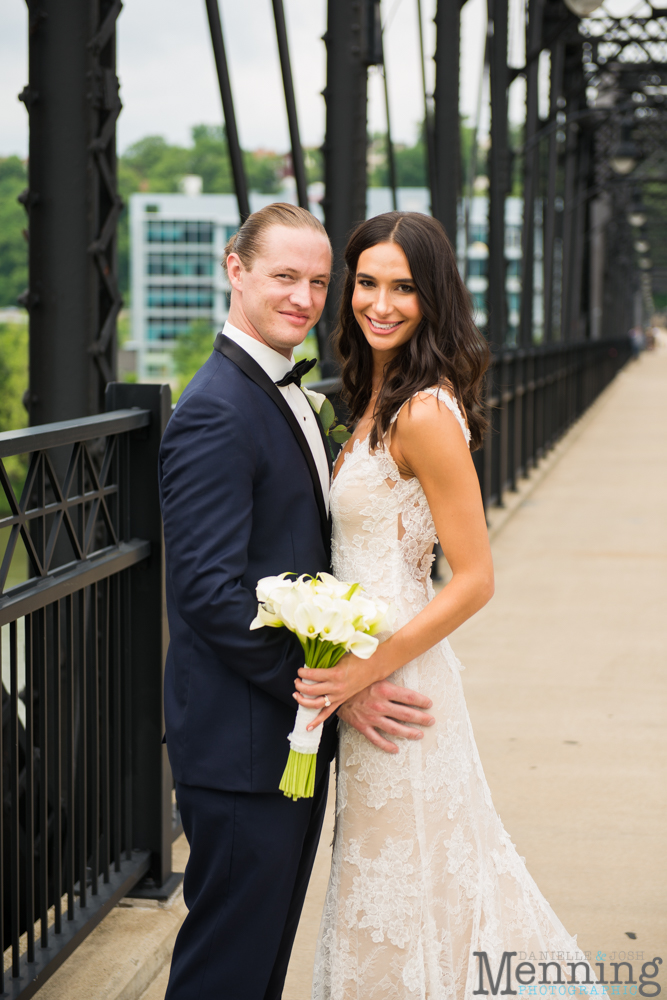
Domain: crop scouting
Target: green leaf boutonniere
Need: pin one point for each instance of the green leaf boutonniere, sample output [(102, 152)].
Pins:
[(325, 411)]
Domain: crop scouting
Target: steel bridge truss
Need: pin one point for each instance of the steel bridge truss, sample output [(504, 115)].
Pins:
[(608, 78)]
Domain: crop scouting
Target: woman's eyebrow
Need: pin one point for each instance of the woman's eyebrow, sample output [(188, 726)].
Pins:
[(396, 281)]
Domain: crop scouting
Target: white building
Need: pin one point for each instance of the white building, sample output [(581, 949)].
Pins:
[(176, 243)]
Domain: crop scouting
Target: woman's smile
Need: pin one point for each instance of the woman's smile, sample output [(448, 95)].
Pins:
[(385, 327)]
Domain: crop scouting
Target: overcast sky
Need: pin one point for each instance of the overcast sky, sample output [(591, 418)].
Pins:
[(168, 81)]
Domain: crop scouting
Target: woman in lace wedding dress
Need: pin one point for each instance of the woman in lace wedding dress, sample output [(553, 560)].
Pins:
[(427, 893)]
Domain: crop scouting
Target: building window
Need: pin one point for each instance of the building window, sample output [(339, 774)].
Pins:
[(512, 238), (478, 232), (478, 267), (180, 231), (169, 327), (157, 370), (180, 264), (179, 296)]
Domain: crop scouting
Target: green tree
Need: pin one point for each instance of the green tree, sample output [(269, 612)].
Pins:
[(13, 384), (411, 160), (13, 221), (314, 162), (192, 349)]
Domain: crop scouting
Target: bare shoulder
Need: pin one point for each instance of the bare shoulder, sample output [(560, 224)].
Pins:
[(431, 413)]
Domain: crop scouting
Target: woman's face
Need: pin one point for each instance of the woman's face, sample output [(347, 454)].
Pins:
[(384, 300)]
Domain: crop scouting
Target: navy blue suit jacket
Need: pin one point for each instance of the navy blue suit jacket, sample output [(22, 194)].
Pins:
[(240, 500)]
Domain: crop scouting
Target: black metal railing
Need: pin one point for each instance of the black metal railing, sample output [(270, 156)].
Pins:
[(533, 396), (82, 655)]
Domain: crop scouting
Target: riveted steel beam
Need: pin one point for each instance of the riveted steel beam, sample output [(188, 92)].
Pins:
[(73, 206)]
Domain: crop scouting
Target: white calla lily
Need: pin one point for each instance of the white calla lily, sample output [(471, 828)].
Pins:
[(265, 617), (288, 607), (383, 620), (362, 645), (268, 584), (329, 585), (335, 628), (307, 620)]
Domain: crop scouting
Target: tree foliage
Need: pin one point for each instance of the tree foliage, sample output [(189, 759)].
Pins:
[(13, 384), (411, 160), (13, 222), (192, 349)]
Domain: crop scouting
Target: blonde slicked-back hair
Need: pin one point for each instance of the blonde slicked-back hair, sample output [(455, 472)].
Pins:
[(248, 241)]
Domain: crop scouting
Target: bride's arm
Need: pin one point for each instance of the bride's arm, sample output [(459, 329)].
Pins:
[(427, 443)]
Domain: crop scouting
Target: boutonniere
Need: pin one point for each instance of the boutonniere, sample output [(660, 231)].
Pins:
[(325, 411)]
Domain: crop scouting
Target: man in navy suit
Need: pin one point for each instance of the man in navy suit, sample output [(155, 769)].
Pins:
[(244, 481)]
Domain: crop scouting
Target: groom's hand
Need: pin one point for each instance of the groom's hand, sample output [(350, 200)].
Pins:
[(388, 707)]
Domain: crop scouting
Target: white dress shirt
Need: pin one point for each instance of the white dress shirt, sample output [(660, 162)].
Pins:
[(276, 367)]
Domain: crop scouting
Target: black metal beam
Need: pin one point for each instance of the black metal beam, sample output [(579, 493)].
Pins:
[(531, 168), (28, 439), (344, 146), (73, 206), (233, 144), (551, 264), (33, 596), (498, 173), (447, 132), (391, 159), (152, 778), (429, 125), (298, 164)]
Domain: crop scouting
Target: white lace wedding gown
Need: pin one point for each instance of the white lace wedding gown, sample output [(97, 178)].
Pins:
[(423, 873)]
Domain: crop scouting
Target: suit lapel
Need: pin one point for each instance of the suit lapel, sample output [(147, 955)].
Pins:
[(256, 373)]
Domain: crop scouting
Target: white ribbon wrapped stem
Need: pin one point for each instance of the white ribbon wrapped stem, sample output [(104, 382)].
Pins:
[(301, 741)]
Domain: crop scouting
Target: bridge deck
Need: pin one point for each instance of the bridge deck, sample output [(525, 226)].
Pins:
[(566, 680)]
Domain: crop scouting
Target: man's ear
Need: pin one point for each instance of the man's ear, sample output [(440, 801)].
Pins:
[(235, 272)]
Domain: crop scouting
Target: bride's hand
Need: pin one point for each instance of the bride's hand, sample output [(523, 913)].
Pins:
[(333, 686)]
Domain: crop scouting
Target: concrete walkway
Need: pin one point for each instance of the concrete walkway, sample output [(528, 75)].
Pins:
[(565, 682)]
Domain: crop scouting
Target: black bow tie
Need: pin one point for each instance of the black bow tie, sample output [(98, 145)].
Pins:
[(296, 374)]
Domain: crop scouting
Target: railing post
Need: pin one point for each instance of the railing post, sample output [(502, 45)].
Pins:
[(148, 640)]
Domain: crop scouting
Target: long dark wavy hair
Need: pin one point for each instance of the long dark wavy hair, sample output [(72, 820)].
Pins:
[(446, 348)]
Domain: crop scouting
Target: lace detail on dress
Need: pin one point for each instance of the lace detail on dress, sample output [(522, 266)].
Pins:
[(423, 873)]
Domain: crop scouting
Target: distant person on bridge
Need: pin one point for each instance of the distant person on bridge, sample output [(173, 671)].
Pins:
[(244, 479)]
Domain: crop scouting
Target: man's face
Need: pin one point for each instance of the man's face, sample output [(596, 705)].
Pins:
[(282, 296)]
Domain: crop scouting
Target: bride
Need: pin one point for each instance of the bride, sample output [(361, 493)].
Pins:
[(427, 897)]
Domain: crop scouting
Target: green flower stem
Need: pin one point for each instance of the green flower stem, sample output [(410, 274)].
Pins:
[(298, 780)]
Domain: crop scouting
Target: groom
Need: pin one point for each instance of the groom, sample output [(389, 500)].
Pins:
[(244, 481)]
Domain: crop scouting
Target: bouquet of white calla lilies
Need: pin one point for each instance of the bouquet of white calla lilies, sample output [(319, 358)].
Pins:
[(329, 618)]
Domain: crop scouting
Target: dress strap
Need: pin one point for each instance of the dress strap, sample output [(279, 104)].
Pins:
[(450, 402)]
